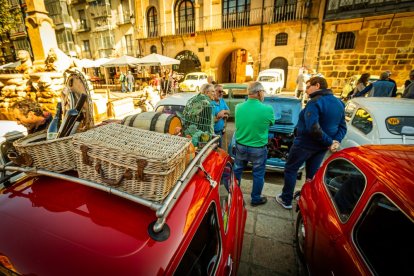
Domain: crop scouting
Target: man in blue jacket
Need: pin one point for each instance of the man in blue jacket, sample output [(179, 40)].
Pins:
[(321, 127)]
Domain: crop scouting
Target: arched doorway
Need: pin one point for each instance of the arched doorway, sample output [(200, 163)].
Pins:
[(189, 62), (237, 67), (282, 63)]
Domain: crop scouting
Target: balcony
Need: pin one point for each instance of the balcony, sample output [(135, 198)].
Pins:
[(99, 11), (268, 15), (19, 31), (123, 18), (82, 26), (61, 21)]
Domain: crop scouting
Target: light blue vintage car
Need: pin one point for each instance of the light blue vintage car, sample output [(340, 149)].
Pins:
[(286, 109)]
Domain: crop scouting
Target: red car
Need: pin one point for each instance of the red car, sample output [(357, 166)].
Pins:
[(356, 217), (56, 226)]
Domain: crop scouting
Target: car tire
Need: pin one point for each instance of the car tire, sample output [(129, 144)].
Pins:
[(300, 237)]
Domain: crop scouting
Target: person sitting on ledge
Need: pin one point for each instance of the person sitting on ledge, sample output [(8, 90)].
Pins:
[(29, 114)]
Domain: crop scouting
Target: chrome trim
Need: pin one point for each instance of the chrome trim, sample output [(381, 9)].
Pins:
[(162, 210)]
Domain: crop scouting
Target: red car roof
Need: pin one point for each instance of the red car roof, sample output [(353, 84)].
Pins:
[(55, 227), (392, 165)]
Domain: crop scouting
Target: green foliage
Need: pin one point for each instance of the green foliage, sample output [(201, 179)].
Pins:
[(8, 16)]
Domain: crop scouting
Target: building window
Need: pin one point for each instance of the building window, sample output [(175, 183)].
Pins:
[(152, 22), (153, 49), (345, 40), (184, 17), (128, 43), (236, 13), (284, 10), (86, 49), (281, 39)]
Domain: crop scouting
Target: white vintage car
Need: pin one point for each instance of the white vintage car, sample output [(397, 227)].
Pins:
[(377, 120), (193, 82)]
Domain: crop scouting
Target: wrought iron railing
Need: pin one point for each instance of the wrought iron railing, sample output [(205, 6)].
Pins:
[(123, 18), (268, 15)]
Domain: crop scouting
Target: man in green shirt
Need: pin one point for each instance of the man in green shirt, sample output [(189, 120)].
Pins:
[(253, 119)]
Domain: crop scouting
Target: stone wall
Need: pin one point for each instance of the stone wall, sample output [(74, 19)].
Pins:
[(381, 43)]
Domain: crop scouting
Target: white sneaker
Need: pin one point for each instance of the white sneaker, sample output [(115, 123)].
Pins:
[(282, 203)]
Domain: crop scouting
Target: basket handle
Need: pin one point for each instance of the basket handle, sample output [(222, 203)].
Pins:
[(112, 182), (85, 158), (141, 164), (23, 159)]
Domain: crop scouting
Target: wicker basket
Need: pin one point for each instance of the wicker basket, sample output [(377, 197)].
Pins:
[(136, 161), (53, 155)]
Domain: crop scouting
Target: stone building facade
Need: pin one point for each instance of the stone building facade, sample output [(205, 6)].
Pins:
[(383, 40)]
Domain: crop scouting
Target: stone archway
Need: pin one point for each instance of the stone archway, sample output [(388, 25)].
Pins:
[(189, 62), (234, 65), (281, 63)]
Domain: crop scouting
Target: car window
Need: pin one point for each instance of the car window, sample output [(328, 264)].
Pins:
[(202, 77), (400, 125), (203, 253), (384, 236), (225, 192), (170, 109), (362, 121), (191, 77), (240, 93), (226, 93), (349, 110), (267, 78), (345, 184)]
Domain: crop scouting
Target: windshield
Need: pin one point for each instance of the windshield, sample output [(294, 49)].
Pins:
[(191, 77), (400, 125), (170, 109), (267, 78)]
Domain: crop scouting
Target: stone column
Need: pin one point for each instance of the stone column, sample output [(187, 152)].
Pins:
[(40, 29)]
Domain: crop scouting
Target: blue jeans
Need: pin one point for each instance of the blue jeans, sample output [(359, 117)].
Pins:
[(258, 157), (298, 156), (123, 88), (130, 84)]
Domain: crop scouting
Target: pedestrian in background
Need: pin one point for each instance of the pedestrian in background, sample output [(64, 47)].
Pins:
[(301, 80), (409, 87), (210, 80), (321, 127), (252, 121), (130, 81), (381, 88), (221, 112), (362, 82), (394, 91), (122, 80)]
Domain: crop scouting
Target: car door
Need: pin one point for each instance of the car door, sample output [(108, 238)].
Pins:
[(233, 219), (333, 252)]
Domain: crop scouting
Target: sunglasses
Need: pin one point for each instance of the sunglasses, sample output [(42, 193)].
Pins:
[(220, 91)]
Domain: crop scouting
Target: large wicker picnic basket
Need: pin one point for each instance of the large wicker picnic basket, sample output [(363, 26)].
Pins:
[(135, 161)]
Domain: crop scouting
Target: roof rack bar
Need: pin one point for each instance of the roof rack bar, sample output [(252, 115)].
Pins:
[(153, 205), (191, 169)]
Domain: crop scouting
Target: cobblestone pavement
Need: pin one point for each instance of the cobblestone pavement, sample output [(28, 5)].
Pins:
[(268, 247)]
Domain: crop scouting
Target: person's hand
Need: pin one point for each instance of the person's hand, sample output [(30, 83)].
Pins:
[(335, 146), (221, 114)]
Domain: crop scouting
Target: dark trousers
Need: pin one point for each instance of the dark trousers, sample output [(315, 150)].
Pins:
[(298, 156)]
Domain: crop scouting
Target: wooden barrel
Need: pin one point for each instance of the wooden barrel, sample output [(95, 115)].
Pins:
[(154, 121)]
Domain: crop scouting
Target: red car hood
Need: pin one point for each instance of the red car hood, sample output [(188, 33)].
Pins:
[(51, 228)]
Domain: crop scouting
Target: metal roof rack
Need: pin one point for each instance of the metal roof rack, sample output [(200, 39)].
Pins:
[(162, 209)]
